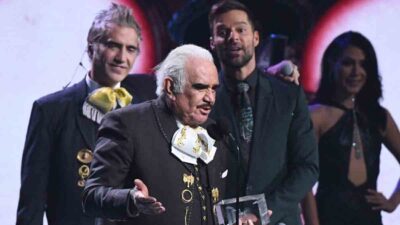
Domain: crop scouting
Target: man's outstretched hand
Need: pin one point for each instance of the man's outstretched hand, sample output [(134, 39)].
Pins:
[(144, 203)]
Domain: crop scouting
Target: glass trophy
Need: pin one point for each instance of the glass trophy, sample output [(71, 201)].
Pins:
[(252, 207)]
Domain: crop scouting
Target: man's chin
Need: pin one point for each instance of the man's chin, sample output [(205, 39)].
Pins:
[(234, 62), (197, 122), (117, 77)]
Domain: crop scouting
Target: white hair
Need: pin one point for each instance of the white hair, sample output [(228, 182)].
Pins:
[(174, 66)]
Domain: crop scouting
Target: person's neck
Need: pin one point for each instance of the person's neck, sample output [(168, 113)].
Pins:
[(239, 73), (345, 99), (101, 82)]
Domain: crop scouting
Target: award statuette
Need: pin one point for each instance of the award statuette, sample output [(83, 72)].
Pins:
[(250, 206)]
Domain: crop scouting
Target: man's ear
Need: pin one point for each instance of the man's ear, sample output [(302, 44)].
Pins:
[(256, 38), (169, 87), (90, 50)]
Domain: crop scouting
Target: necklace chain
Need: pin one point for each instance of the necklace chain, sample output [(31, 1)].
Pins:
[(357, 144)]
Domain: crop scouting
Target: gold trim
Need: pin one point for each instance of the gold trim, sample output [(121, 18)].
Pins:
[(81, 183), (84, 156), (182, 138), (184, 199), (84, 171), (215, 194), (186, 215), (188, 179)]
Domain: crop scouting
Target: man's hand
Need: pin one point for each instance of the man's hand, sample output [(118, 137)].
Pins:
[(248, 219), (277, 69), (144, 203), (251, 219), (379, 201)]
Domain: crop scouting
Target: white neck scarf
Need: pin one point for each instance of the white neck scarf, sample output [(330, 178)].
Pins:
[(189, 144)]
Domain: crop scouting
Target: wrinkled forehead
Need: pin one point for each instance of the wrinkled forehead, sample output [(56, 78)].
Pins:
[(200, 70)]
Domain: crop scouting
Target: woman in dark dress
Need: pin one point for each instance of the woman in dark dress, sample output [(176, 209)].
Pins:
[(350, 125)]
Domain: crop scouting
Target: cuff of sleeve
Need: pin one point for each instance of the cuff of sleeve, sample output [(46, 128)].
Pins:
[(132, 210)]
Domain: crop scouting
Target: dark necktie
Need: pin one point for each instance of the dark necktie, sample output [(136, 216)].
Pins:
[(245, 112)]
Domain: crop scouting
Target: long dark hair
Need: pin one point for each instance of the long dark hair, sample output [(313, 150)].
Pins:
[(368, 98)]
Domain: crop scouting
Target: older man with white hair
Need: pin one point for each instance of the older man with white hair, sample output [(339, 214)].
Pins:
[(154, 162)]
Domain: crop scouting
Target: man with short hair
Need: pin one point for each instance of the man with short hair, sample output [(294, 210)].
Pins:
[(63, 125), (268, 116), (160, 148)]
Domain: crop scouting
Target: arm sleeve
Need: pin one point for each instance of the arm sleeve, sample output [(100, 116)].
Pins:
[(302, 164), (35, 168), (106, 193)]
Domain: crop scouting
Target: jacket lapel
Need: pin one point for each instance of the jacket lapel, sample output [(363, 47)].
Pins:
[(86, 127), (263, 108), (165, 119), (262, 113), (224, 109)]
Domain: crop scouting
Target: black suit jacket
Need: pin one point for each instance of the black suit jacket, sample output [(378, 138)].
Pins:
[(283, 161), (57, 131), (135, 142)]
